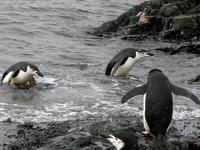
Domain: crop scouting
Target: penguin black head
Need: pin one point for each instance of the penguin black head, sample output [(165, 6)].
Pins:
[(123, 140), (145, 53), (34, 69), (154, 70)]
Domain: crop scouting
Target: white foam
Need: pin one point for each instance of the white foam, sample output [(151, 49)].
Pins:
[(47, 80), (184, 112)]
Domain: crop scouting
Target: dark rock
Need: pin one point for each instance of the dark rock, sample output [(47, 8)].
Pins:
[(20, 132), (169, 34), (185, 22), (27, 125), (134, 37), (171, 19), (168, 10), (9, 120), (86, 135), (190, 47), (195, 145), (195, 10)]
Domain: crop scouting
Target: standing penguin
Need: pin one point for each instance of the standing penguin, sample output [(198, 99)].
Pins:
[(21, 74), (122, 62), (158, 101)]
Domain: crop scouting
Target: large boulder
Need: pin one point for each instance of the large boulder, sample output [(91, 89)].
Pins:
[(168, 10), (185, 22)]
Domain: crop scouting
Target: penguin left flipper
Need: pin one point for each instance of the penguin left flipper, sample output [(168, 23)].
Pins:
[(113, 65), (134, 92), (116, 66), (183, 92)]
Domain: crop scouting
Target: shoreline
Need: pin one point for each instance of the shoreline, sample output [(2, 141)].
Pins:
[(86, 134)]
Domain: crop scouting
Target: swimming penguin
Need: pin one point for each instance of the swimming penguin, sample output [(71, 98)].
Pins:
[(123, 140), (122, 62), (158, 101), (21, 74)]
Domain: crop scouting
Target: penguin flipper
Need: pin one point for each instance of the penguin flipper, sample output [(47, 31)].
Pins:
[(134, 92), (183, 92), (6, 78), (109, 69), (112, 67), (116, 66)]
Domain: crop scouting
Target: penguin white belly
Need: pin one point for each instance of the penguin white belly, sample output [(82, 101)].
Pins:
[(125, 68), (146, 126), (21, 78)]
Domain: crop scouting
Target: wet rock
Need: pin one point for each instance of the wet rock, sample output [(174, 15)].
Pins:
[(27, 125), (170, 34), (20, 132), (169, 19), (134, 37), (168, 10), (185, 22), (9, 120), (79, 134), (195, 145), (33, 136), (190, 47)]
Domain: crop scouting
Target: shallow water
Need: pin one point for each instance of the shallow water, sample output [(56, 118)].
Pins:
[(53, 35)]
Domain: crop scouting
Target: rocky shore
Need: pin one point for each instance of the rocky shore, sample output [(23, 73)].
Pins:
[(177, 21), (87, 135)]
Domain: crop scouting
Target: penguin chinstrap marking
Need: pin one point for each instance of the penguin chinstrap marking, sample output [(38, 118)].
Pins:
[(21, 75), (121, 63), (158, 101)]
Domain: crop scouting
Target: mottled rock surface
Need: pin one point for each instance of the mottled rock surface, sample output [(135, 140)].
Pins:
[(169, 19), (87, 135)]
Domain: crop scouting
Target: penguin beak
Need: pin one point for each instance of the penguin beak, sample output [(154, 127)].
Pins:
[(39, 73), (148, 54)]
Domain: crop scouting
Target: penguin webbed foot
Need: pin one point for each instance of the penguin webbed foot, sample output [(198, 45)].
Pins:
[(32, 82), (146, 132)]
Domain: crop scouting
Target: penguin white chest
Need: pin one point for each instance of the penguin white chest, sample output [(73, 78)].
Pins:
[(126, 67), (22, 77), (146, 126)]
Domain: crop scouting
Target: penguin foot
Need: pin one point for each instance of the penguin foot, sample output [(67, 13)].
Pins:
[(146, 132)]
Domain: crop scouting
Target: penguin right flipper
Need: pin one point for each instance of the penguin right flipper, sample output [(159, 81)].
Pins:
[(134, 92), (183, 92), (6, 78)]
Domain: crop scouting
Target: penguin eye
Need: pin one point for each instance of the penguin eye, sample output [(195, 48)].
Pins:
[(141, 53)]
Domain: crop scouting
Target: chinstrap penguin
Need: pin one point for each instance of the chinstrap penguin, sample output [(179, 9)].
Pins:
[(21, 74), (123, 140), (158, 101), (121, 63)]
